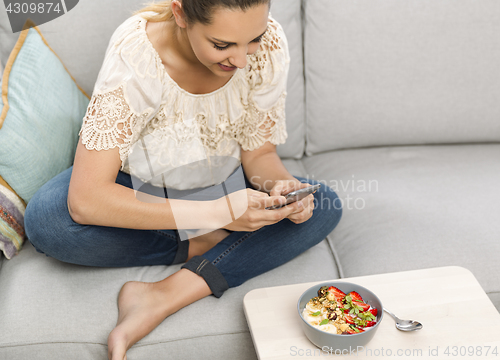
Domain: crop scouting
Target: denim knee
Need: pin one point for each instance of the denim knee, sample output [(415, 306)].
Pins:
[(33, 225), (46, 216), (36, 225)]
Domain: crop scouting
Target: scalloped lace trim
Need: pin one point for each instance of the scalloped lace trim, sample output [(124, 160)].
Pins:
[(260, 127), (110, 122)]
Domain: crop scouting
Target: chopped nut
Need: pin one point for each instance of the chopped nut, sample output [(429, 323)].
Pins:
[(332, 316), (322, 291), (344, 327)]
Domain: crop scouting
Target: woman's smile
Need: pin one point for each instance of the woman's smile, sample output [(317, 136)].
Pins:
[(226, 68)]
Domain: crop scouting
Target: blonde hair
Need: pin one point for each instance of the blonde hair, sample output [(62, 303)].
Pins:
[(162, 9), (195, 10)]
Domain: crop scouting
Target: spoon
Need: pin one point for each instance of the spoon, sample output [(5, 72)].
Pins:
[(405, 325)]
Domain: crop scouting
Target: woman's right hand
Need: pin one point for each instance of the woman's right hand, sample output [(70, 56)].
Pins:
[(248, 207)]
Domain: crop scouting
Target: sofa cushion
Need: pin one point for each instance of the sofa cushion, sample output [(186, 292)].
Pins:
[(295, 167), (49, 307), (81, 36), (288, 14), (41, 111), (416, 207), (391, 72)]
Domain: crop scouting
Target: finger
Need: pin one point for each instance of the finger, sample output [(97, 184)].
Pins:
[(273, 201), (284, 187), (276, 190), (302, 216), (303, 208), (308, 201), (289, 209), (304, 185), (256, 202), (279, 188)]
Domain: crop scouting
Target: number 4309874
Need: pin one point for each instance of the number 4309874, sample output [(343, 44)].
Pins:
[(32, 8)]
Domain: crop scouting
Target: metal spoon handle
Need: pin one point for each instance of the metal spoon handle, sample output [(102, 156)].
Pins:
[(394, 316)]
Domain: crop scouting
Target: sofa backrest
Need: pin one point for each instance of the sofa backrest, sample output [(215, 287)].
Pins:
[(81, 36), (393, 72)]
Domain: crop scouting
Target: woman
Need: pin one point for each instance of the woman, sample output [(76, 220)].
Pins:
[(190, 93)]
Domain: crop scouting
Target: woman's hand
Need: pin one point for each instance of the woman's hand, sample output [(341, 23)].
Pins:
[(304, 207), (252, 205)]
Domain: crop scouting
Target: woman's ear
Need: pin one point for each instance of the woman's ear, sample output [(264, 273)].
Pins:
[(180, 17)]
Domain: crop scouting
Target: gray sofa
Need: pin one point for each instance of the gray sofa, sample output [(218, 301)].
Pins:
[(394, 104)]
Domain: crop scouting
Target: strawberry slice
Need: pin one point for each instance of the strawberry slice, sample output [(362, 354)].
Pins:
[(348, 319), (350, 330), (374, 311), (370, 323), (355, 296), (339, 294), (364, 306)]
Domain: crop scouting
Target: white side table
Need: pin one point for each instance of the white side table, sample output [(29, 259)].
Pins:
[(460, 321)]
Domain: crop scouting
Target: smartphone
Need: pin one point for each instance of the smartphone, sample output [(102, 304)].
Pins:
[(296, 196)]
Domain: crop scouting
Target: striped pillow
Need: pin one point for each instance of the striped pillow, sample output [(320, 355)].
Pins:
[(11, 222)]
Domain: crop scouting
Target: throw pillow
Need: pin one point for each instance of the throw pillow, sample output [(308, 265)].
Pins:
[(41, 112), (11, 222)]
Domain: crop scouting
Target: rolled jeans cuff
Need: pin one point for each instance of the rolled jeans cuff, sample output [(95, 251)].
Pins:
[(182, 251), (209, 273)]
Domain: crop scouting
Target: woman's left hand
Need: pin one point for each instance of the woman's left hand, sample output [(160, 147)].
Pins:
[(305, 210)]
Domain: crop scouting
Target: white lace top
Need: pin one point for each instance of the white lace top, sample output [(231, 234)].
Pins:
[(170, 137)]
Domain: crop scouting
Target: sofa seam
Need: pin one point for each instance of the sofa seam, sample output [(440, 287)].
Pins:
[(192, 338), (303, 168), (335, 257), (303, 37), (136, 345), (12, 345)]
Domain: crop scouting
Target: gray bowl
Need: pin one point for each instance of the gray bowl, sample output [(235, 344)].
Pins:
[(339, 344)]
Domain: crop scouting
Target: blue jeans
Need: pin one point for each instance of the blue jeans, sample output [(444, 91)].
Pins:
[(237, 258)]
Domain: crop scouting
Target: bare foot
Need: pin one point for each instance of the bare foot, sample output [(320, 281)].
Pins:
[(201, 244), (143, 306)]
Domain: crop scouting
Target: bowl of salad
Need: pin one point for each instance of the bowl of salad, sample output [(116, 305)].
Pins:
[(339, 317)]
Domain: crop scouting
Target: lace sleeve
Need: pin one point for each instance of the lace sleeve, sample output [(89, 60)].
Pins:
[(126, 95), (267, 77), (110, 122)]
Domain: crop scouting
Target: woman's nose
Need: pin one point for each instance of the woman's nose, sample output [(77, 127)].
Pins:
[(239, 58)]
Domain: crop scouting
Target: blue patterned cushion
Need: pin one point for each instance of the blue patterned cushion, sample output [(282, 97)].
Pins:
[(41, 113)]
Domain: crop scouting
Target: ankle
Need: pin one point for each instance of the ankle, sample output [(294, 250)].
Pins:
[(181, 289)]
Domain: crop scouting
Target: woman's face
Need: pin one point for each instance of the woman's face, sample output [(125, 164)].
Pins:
[(232, 36)]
